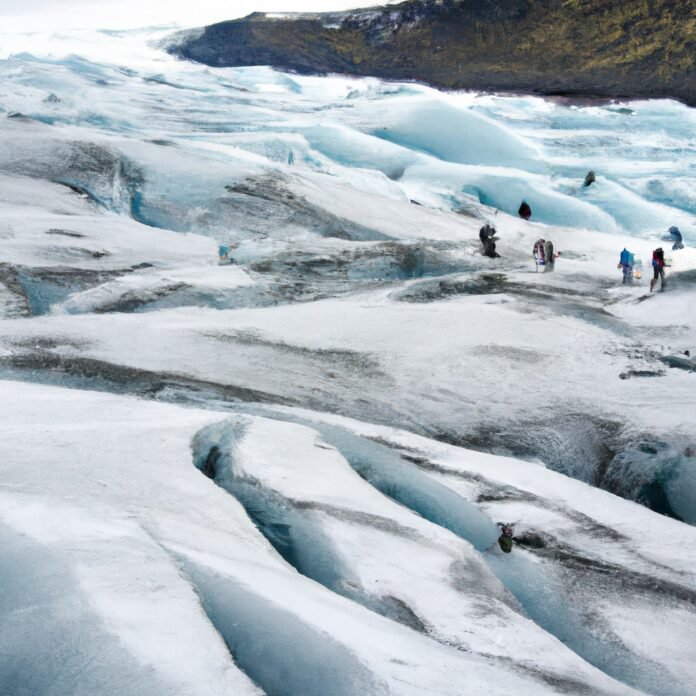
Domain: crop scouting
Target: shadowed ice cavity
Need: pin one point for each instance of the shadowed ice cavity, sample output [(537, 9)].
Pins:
[(294, 530), (279, 651), (45, 288), (51, 643), (657, 474)]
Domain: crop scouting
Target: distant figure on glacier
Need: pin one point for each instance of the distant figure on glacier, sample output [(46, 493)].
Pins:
[(626, 265), (507, 532), (224, 251), (674, 235), (485, 233), (525, 212), (544, 255), (489, 248), (658, 264), (589, 179), (291, 157)]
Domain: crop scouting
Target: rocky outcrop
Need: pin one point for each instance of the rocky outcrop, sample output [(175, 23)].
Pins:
[(602, 48)]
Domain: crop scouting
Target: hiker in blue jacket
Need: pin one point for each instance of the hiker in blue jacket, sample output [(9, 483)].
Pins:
[(674, 235), (626, 264)]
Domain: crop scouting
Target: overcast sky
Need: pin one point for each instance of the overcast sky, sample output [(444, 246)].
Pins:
[(43, 15)]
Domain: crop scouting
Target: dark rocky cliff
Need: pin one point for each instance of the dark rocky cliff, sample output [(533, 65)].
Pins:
[(605, 48)]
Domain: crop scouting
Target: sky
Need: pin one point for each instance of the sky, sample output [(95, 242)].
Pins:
[(55, 15)]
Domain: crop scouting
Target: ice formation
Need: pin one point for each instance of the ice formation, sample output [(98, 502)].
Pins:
[(284, 475)]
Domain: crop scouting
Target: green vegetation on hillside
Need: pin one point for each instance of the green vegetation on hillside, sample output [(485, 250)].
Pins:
[(636, 48)]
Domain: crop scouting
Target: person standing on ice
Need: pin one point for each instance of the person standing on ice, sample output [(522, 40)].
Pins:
[(485, 233), (674, 235), (589, 179), (626, 265), (224, 251), (658, 264), (525, 212)]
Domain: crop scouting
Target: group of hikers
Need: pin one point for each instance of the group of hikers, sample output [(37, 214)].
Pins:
[(543, 251), (631, 267), (545, 256)]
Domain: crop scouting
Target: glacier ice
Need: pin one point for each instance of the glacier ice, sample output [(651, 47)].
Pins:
[(370, 395)]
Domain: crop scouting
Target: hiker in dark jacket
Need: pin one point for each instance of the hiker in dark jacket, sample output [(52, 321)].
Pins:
[(489, 248), (589, 179), (658, 264), (485, 233), (525, 212)]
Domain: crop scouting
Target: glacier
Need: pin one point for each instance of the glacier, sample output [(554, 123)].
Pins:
[(285, 475)]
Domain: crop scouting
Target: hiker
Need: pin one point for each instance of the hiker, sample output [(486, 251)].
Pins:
[(507, 532), (539, 253), (224, 253), (589, 179), (549, 256), (674, 235), (489, 248), (626, 265), (525, 212), (486, 232), (658, 264)]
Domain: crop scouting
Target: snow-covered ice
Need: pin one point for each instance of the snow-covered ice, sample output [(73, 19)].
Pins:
[(284, 474)]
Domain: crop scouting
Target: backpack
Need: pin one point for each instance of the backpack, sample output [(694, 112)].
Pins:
[(658, 258), (539, 251), (548, 251)]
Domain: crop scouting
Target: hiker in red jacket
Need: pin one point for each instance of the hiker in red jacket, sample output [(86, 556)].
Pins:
[(658, 264)]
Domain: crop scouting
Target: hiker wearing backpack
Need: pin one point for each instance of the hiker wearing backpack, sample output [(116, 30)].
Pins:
[(485, 233), (626, 265), (658, 264), (674, 235)]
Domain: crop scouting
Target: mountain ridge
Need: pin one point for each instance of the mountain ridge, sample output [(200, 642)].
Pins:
[(598, 48)]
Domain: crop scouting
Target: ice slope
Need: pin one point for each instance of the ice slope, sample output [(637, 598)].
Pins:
[(453, 358), (298, 522), (302, 237), (144, 549), (432, 145)]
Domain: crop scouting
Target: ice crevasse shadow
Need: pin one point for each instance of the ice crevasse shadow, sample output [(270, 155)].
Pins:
[(293, 529), (280, 652)]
